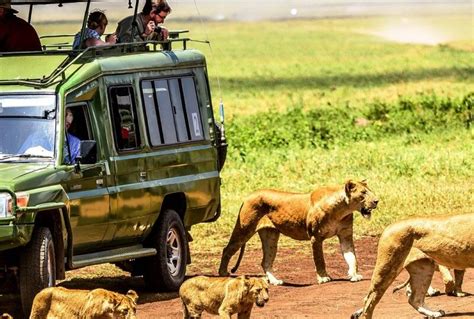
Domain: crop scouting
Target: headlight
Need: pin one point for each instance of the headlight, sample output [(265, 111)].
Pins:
[(6, 205)]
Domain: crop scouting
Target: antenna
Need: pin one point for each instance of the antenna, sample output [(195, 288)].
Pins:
[(210, 49)]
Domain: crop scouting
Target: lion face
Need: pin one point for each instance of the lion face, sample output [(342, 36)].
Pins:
[(361, 197), (258, 290), (125, 308)]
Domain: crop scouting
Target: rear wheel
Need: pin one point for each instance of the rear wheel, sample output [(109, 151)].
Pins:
[(37, 267), (166, 270)]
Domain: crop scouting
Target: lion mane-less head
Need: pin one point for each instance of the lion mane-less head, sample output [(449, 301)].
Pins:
[(103, 304), (254, 290), (360, 197)]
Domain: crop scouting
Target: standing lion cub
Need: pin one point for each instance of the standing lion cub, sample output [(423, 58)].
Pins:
[(316, 216), (59, 302), (222, 296)]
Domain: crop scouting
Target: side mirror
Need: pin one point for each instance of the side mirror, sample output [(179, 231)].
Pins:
[(88, 152), (221, 112), (221, 139)]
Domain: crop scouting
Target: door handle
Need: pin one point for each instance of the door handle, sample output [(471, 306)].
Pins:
[(142, 176), (99, 182)]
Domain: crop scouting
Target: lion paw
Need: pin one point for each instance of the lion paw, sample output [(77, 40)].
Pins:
[(356, 277), (457, 294), (322, 280), (273, 280), (432, 292), (357, 314)]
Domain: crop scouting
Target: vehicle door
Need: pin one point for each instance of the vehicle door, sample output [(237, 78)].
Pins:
[(183, 159), (86, 184), (130, 198)]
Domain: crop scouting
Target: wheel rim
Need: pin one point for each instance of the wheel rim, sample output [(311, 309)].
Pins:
[(174, 252), (50, 265)]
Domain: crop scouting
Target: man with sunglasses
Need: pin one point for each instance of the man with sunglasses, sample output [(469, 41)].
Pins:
[(146, 23)]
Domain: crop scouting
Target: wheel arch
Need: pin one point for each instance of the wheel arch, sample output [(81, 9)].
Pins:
[(176, 202)]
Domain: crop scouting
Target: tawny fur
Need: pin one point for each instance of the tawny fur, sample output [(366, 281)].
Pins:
[(447, 240), (59, 302), (316, 216), (222, 296), (452, 286)]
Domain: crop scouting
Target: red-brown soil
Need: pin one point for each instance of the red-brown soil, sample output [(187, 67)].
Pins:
[(300, 297)]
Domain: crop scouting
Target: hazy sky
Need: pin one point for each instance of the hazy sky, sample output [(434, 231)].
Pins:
[(263, 9)]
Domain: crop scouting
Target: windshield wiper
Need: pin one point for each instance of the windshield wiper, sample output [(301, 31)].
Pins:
[(8, 156)]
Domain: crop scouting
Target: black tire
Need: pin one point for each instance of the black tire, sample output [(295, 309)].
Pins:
[(166, 270), (37, 267)]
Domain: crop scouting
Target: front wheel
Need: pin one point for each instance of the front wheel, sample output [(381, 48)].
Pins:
[(37, 267), (166, 270)]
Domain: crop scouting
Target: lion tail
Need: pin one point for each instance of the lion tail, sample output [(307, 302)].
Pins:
[(237, 264), (401, 286)]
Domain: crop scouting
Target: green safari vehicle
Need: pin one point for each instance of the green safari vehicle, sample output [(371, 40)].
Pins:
[(148, 168)]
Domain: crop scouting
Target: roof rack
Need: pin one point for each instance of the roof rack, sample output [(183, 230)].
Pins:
[(88, 54)]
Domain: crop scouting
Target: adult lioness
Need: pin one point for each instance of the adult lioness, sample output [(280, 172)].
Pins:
[(446, 240), (315, 216)]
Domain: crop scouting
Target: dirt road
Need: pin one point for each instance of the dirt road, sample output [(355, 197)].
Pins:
[(300, 297)]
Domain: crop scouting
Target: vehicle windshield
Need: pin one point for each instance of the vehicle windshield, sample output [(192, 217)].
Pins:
[(27, 126)]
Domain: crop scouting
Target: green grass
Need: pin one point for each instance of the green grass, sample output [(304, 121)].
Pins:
[(274, 65), (422, 174)]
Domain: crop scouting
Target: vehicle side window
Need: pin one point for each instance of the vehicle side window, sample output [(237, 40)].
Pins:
[(124, 118), (78, 129), (172, 111), (80, 126)]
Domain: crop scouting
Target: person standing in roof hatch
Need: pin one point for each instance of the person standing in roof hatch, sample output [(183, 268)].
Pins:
[(96, 24), (147, 21), (16, 34)]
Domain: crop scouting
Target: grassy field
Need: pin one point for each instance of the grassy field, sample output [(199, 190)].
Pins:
[(341, 65), (261, 69)]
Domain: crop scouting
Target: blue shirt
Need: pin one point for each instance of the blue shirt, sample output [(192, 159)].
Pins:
[(89, 34), (74, 146)]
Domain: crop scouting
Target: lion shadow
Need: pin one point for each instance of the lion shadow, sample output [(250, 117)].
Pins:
[(469, 314)]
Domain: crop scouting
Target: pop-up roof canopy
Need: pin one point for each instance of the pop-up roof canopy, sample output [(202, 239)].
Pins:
[(78, 57), (49, 1)]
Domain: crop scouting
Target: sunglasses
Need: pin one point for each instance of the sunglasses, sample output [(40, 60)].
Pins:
[(162, 17)]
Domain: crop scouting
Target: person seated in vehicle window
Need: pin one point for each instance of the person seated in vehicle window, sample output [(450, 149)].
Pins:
[(15, 33), (72, 144), (96, 24), (146, 29)]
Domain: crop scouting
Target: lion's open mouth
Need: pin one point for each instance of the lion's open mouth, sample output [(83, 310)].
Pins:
[(260, 303), (366, 212)]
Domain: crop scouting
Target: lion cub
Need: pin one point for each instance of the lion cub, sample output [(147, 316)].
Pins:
[(59, 302), (222, 296)]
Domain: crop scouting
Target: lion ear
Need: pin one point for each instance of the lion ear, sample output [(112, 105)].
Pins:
[(364, 182), (132, 295), (350, 185)]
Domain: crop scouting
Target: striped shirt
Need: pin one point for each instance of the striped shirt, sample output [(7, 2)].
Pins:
[(89, 34)]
